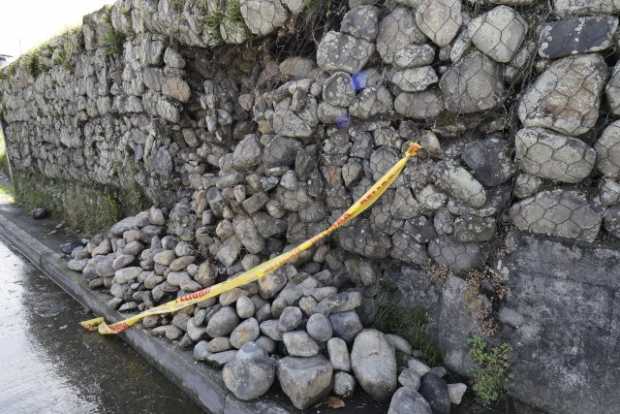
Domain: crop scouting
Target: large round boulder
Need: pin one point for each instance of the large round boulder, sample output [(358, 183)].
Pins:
[(374, 364)]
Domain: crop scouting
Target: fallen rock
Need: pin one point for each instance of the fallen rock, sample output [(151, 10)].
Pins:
[(435, 390), (250, 374), (374, 364), (305, 381), (408, 401)]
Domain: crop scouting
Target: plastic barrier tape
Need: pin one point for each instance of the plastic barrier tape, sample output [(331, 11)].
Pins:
[(265, 268)]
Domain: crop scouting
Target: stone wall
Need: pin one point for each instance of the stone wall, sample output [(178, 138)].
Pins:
[(255, 123)]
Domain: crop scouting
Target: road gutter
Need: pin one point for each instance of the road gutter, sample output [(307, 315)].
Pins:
[(202, 384)]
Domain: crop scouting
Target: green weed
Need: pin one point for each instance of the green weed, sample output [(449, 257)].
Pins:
[(490, 377)]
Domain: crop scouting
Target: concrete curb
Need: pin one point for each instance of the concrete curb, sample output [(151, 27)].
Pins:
[(203, 384)]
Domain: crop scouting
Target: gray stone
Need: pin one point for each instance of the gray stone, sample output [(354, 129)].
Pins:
[(397, 30), (247, 331), (612, 91), (247, 233), (399, 343), (361, 22), (440, 20), (270, 329), (421, 105), (344, 385), (459, 183), (456, 392), (408, 401), (229, 252), (340, 302), (576, 297), (305, 381), (339, 51), (222, 322), (374, 364), (585, 7), (458, 257), (410, 379), (557, 157), (346, 325), (609, 192), (297, 124), (474, 84), (245, 307), (612, 221), (413, 56), (263, 17), (338, 90), (290, 318), (299, 343), (339, 354), (372, 101), (577, 36), (250, 374), (498, 33), (474, 229), (415, 79), (247, 153), (608, 151), (566, 97), (489, 160), (526, 185), (126, 275), (281, 151), (219, 344), (435, 390), (558, 213), (319, 327)]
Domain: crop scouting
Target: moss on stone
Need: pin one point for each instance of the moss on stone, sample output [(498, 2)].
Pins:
[(87, 209)]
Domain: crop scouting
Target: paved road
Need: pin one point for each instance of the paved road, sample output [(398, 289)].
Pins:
[(48, 364)]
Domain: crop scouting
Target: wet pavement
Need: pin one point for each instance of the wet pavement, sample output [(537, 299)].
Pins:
[(48, 364)]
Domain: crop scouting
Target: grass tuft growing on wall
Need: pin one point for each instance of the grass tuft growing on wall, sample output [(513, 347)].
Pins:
[(411, 324)]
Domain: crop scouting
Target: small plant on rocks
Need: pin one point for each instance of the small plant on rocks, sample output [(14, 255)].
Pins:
[(494, 363)]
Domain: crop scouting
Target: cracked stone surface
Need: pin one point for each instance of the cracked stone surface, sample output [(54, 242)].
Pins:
[(557, 157), (577, 36), (415, 79), (339, 51), (458, 257), (440, 20), (472, 85), (263, 16), (498, 33), (566, 97), (396, 31), (558, 213), (608, 151)]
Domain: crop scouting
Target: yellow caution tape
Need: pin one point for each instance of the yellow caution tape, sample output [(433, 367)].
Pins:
[(270, 266)]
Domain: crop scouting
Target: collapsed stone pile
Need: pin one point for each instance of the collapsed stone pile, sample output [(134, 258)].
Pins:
[(314, 329), (249, 150)]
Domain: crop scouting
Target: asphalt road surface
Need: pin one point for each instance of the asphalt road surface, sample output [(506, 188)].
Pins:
[(48, 364)]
